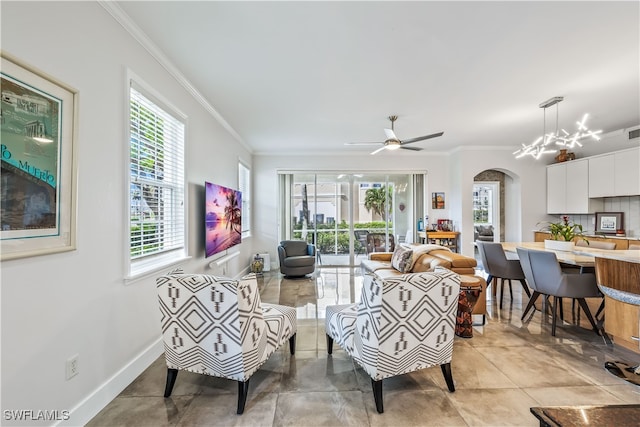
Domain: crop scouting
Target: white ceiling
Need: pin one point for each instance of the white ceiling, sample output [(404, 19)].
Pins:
[(306, 77)]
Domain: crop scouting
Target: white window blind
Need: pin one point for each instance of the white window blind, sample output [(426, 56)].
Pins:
[(156, 183), (244, 182)]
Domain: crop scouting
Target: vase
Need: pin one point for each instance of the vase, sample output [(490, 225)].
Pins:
[(562, 156), (559, 245)]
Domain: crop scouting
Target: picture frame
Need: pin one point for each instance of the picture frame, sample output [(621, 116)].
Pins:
[(609, 222), (437, 200), (38, 162)]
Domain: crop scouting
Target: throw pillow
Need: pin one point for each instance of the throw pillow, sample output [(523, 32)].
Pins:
[(401, 258)]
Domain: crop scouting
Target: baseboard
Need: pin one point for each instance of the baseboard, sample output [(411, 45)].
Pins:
[(88, 408)]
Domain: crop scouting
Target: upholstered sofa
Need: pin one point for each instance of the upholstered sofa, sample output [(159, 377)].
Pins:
[(427, 258)]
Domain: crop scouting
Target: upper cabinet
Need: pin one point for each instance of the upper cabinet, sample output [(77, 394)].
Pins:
[(615, 174), (568, 188)]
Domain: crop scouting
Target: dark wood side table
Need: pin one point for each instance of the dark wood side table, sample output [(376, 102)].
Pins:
[(574, 416)]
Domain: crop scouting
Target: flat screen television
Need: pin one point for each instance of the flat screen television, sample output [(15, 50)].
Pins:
[(223, 218)]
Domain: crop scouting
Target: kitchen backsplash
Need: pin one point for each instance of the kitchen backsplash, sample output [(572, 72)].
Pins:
[(630, 206)]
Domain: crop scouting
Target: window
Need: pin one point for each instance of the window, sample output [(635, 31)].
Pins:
[(156, 184), (244, 182)]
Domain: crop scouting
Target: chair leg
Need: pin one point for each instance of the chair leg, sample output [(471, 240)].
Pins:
[(292, 344), (530, 304), (561, 309), (525, 287), (243, 390), (446, 371), (600, 309), (554, 314), (172, 374), (329, 344), (501, 292), (377, 394), (510, 290), (585, 308), (489, 279)]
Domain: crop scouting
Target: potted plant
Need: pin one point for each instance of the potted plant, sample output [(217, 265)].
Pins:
[(563, 234)]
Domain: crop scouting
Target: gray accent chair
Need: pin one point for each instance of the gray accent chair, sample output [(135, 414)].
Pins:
[(497, 266), (545, 275), (297, 258)]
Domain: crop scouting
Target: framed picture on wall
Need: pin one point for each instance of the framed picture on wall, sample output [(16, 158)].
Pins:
[(437, 200), (38, 175), (609, 222)]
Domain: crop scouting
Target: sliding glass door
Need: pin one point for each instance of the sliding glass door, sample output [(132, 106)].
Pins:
[(347, 216)]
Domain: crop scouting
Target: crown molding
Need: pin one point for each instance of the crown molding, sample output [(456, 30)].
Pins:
[(136, 32)]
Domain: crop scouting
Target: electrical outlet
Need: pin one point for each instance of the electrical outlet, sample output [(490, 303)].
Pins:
[(73, 367)]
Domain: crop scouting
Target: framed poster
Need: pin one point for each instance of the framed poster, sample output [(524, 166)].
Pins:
[(609, 222), (38, 175), (437, 200)]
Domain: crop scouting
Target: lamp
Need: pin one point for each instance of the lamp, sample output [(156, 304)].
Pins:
[(539, 146)]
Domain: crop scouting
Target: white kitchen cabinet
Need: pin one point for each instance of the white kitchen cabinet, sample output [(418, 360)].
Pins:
[(615, 174), (568, 189), (626, 177), (601, 176)]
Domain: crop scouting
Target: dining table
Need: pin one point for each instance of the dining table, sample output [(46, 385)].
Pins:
[(582, 257)]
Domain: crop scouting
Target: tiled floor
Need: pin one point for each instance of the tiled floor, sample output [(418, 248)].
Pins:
[(506, 368)]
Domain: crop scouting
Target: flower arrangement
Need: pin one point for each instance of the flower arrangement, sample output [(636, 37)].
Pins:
[(565, 230)]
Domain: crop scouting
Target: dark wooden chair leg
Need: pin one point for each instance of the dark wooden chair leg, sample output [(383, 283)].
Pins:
[(329, 344), (525, 287), (554, 314), (501, 292), (530, 304), (243, 390), (172, 374), (600, 309), (377, 394), (587, 312), (292, 344), (446, 371), (561, 309), (510, 290)]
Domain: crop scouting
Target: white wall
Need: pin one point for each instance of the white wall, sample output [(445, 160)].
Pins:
[(452, 174), (55, 306)]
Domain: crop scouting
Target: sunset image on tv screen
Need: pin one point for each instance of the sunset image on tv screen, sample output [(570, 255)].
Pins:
[(223, 218)]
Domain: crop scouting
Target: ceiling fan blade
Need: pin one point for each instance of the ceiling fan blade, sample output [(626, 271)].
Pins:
[(411, 148), (422, 138), (390, 134), (363, 143), (379, 149)]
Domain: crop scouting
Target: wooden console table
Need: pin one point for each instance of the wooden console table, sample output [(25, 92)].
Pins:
[(448, 239)]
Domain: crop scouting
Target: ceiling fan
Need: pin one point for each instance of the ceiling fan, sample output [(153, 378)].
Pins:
[(393, 142)]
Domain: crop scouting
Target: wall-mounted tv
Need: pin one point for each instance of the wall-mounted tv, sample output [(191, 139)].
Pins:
[(223, 218)]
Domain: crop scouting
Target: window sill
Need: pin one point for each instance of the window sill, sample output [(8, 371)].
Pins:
[(146, 271)]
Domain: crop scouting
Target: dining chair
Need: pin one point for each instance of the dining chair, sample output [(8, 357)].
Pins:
[(543, 271), (596, 244), (498, 266)]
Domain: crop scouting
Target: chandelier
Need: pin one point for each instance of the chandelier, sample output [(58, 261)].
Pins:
[(549, 141)]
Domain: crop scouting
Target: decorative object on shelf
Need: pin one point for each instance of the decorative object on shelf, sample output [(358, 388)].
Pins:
[(540, 145), (257, 265), (565, 155), (609, 222), (562, 234)]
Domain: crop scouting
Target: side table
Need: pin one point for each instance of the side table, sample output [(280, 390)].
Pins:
[(470, 290)]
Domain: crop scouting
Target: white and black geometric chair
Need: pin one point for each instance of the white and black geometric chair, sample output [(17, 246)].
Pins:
[(217, 326), (402, 324)]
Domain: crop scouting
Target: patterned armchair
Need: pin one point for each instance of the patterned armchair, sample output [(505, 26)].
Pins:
[(218, 326), (402, 324)]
